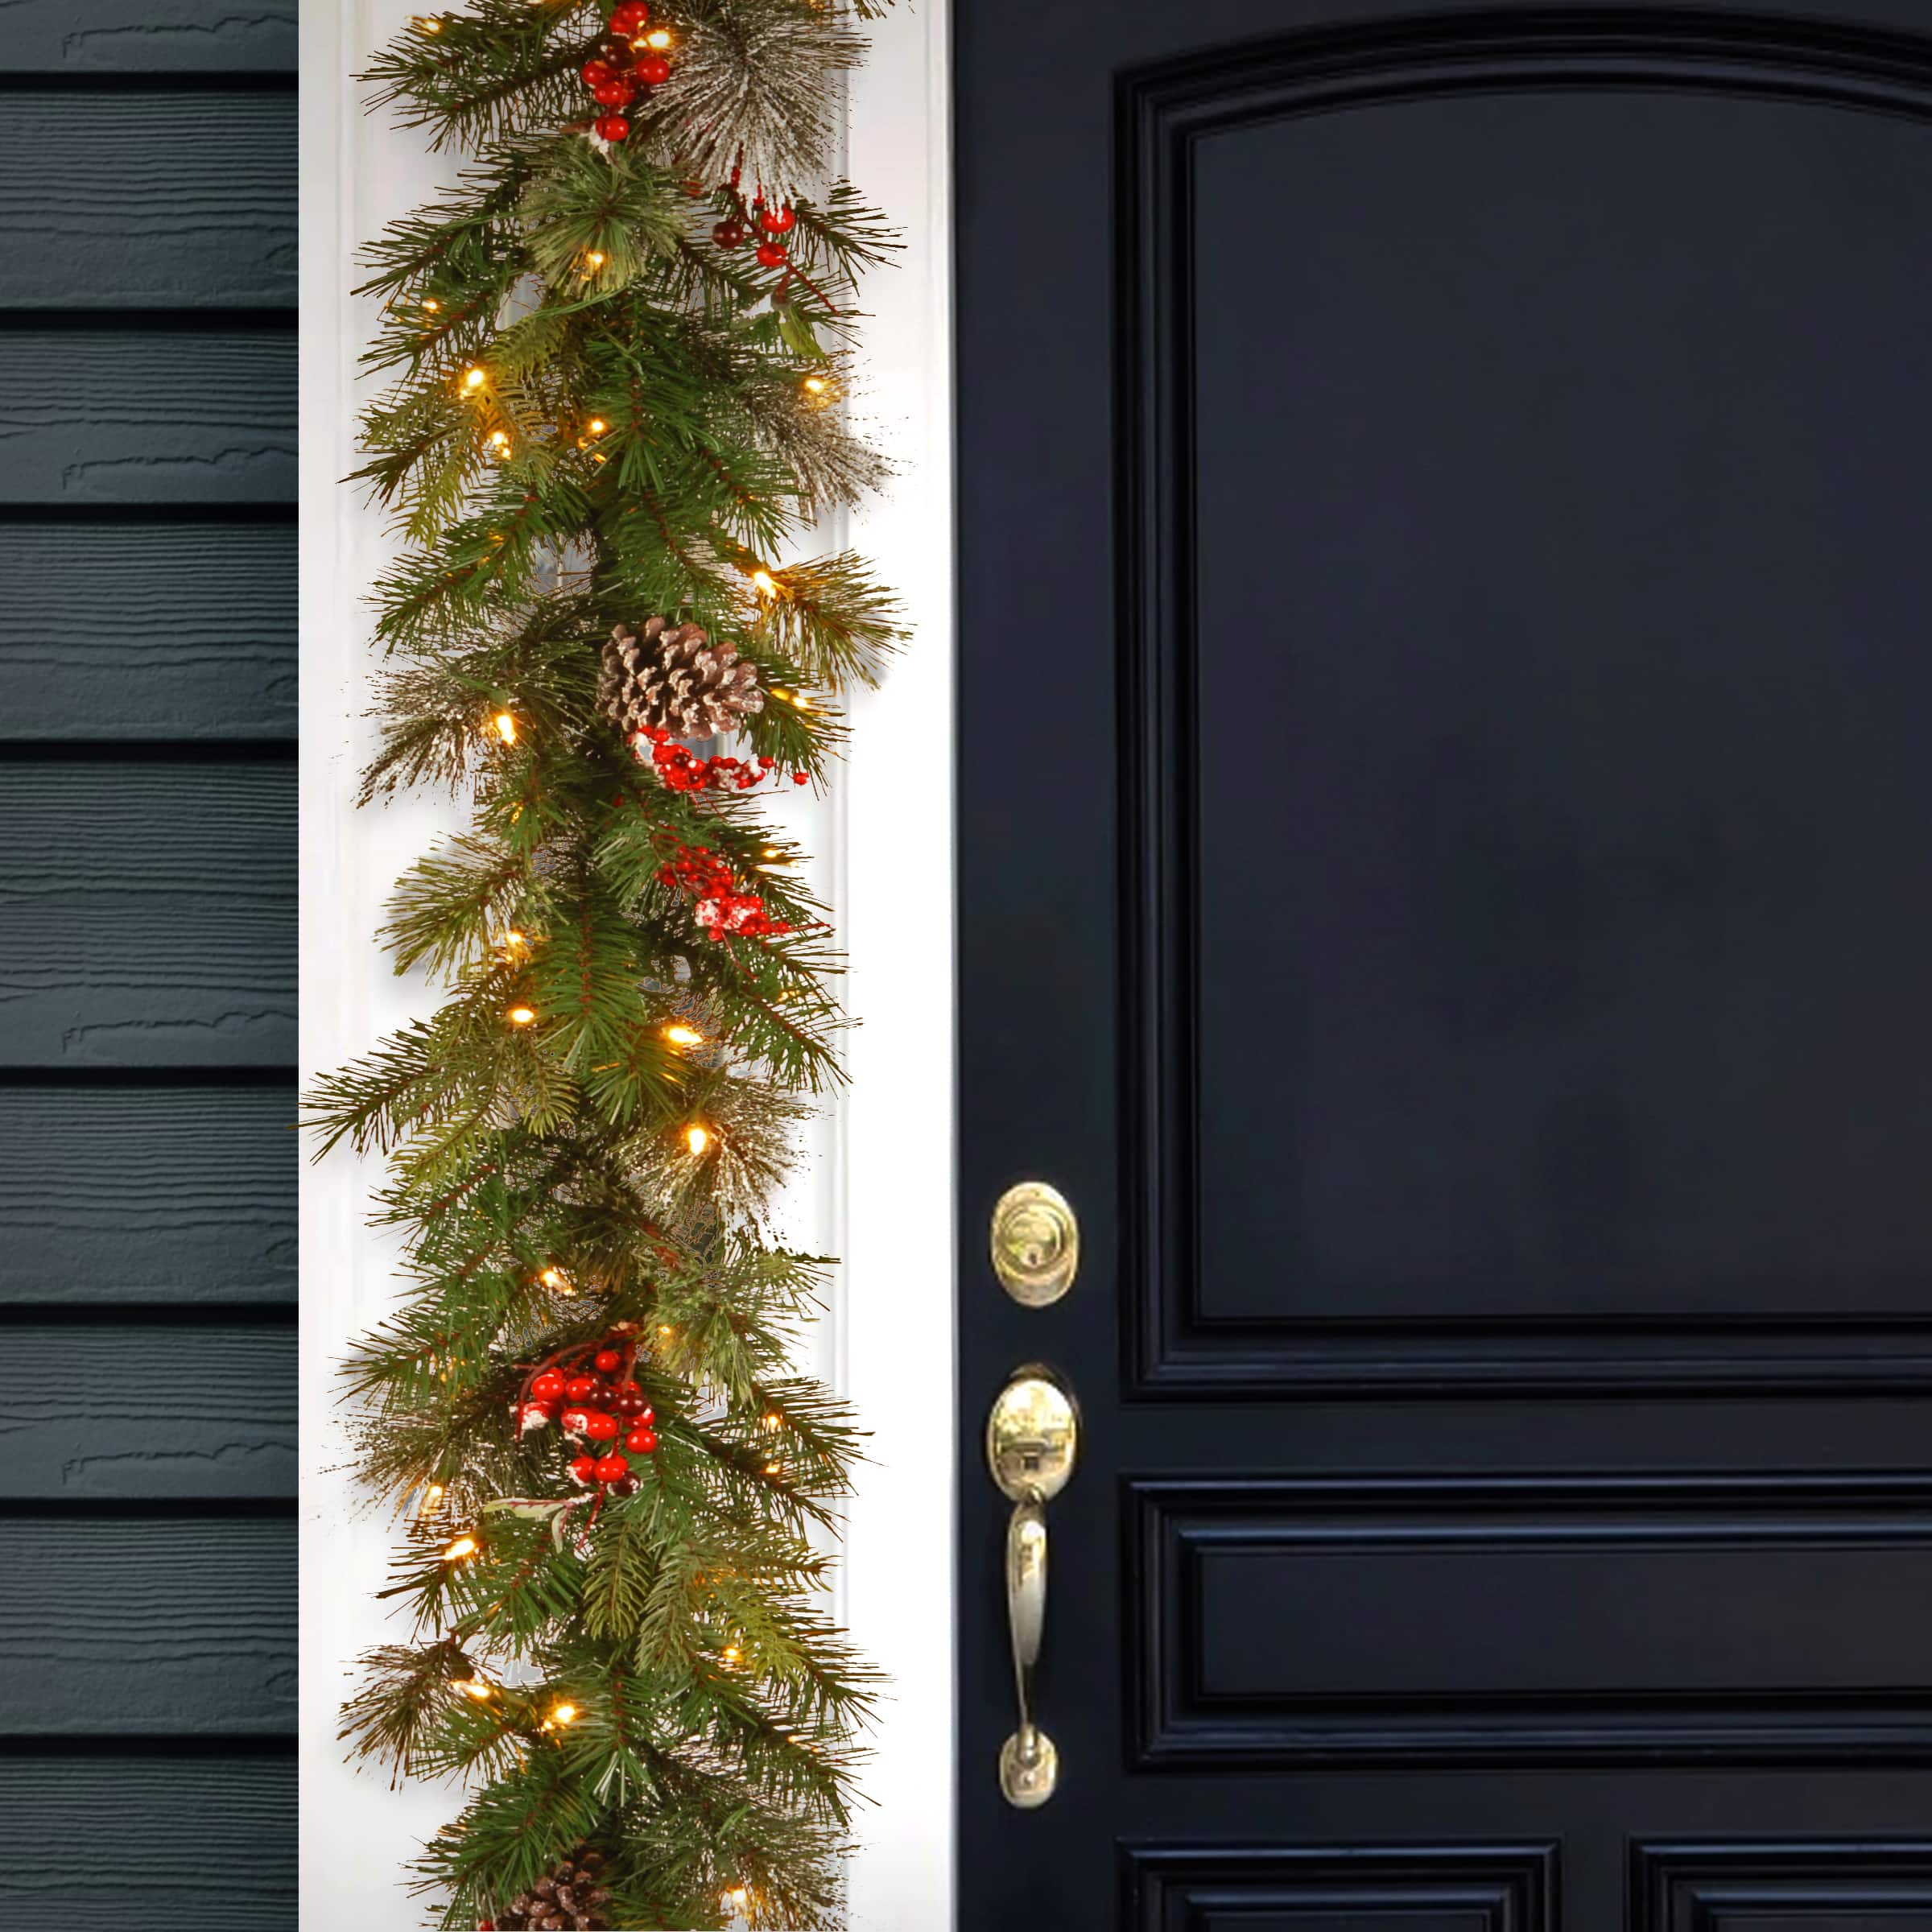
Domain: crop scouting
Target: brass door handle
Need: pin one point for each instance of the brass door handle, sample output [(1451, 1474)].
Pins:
[(1031, 1438)]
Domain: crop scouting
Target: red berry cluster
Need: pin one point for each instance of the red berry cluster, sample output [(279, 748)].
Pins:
[(614, 69), (723, 910), (731, 232), (682, 770), (588, 1391)]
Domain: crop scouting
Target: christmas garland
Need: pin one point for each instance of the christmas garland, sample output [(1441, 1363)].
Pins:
[(614, 349)]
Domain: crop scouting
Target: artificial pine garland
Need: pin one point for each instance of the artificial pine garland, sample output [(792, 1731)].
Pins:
[(609, 416)]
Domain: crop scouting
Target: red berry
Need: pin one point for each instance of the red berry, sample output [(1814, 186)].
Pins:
[(612, 127), (583, 1467), (600, 1427), (771, 255), (776, 220), (728, 235), (642, 1440), (625, 1485), (596, 72), (575, 1421), (609, 1468), (546, 1386), (633, 1406), (607, 1358), (580, 1388), (630, 17), (653, 70), (616, 93), (798, 777)]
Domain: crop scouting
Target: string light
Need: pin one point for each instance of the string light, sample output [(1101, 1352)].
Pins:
[(460, 1549), (474, 377), (522, 1016), (499, 441), (564, 1714), (657, 39), (666, 1329), (774, 1422), (697, 1138), (764, 583), (596, 426), (506, 727), (474, 1686), (431, 303), (553, 1277), (815, 386), (432, 1500), (683, 1036), (731, 1653), (595, 258), (425, 24)]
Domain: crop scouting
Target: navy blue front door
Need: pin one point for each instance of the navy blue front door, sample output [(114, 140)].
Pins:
[(1446, 891)]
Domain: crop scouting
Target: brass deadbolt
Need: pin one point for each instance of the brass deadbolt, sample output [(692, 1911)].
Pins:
[(1035, 1243)]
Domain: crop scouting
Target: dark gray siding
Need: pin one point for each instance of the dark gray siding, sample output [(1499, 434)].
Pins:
[(147, 1017)]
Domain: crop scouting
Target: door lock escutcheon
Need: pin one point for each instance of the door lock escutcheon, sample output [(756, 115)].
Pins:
[(1035, 1244), (1032, 1444)]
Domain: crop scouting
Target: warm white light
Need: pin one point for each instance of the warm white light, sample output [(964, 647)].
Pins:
[(460, 1547), (697, 1138), (683, 1036), (763, 582), (474, 377), (506, 727), (522, 1016)]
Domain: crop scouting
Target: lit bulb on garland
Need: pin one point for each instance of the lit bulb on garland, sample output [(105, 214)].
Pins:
[(522, 1016), (683, 1036), (506, 725), (459, 1549), (697, 1138)]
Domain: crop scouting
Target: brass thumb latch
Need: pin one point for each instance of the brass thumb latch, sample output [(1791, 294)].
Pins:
[(1032, 1436)]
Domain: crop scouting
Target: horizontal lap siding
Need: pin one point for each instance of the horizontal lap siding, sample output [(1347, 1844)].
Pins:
[(156, 631), (120, 1196), (199, 211), (147, 1155), (140, 415), (146, 914), (190, 1842)]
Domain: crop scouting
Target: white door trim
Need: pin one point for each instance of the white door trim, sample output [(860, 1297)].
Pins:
[(880, 1191)]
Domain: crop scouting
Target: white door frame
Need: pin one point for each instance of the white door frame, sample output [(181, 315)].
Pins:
[(879, 1190)]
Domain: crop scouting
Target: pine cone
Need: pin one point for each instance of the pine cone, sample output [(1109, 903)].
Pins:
[(672, 678), (566, 1899)]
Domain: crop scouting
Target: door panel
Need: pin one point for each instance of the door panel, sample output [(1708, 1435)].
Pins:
[(1445, 838)]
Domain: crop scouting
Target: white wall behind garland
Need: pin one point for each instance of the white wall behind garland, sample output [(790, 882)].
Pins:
[(877, 1189)]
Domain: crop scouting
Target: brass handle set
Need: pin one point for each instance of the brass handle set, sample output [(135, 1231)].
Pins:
[(1032, 1443)]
